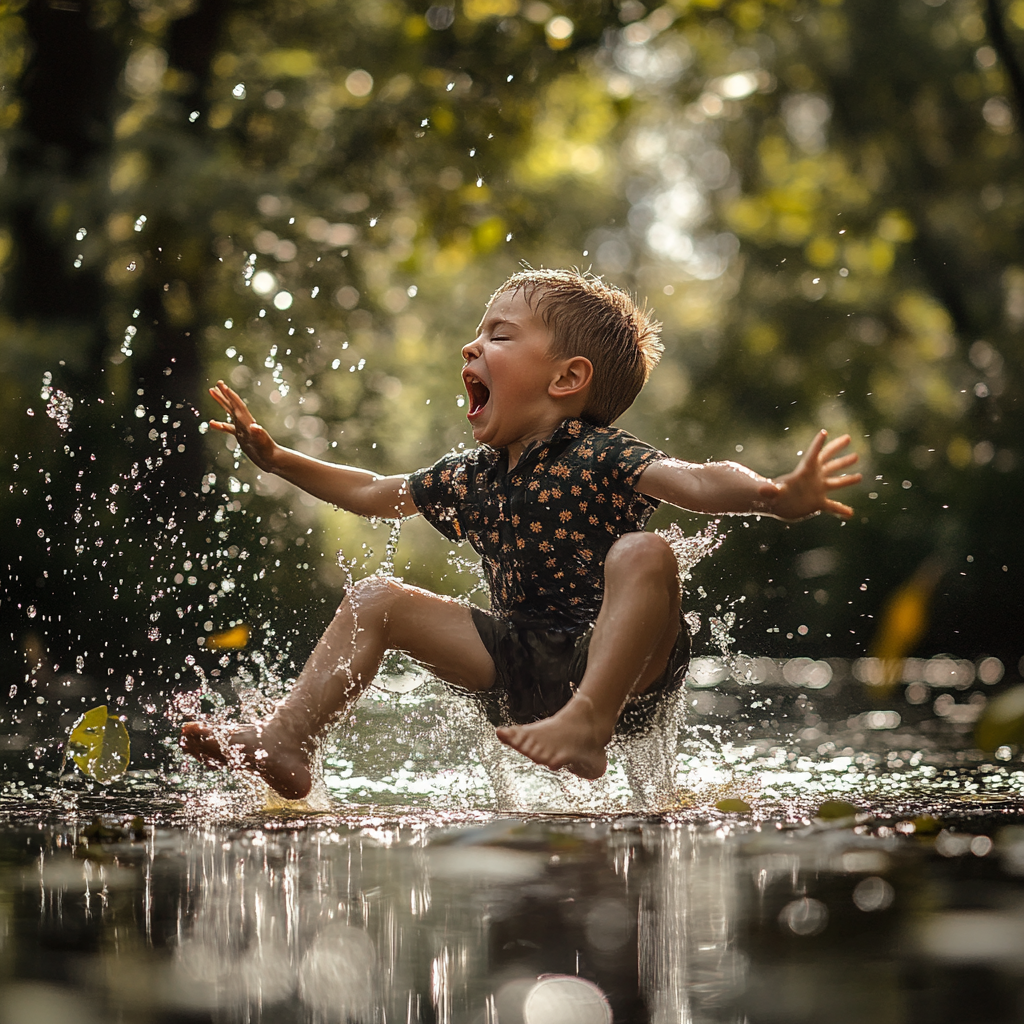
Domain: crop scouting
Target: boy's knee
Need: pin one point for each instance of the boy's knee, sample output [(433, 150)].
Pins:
[(642, 553)]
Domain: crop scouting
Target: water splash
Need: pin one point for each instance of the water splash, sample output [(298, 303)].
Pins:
[(58, 403), (690, 550)]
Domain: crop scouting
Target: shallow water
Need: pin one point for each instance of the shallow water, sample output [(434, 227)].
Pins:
[(414, 916), (442, 886)]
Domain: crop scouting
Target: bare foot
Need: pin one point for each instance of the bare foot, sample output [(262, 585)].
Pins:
[(268, 750), (571, 738)]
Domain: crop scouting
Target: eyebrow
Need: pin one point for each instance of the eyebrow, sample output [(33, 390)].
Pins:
[(496, 322)]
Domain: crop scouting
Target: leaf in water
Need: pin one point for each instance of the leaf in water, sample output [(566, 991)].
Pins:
[(230, 639), (926, 824), (835, 810), (99, 745), (733, 805), (1002, 721)]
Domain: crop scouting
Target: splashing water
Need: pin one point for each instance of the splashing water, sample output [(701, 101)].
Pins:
[(58, 403), (779, 733)]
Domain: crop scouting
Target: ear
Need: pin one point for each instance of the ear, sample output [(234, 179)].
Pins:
[(574, 378)]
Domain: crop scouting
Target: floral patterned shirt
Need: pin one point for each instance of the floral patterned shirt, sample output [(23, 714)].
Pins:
[(544, 529)]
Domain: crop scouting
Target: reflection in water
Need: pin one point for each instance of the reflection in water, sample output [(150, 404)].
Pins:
[(544, 921), (431, 905)]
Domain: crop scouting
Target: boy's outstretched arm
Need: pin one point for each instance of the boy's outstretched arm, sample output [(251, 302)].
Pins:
[(715, 488), (355, 490)]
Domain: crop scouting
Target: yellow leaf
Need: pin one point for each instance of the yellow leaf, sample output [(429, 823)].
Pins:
[(1002, 722), (836, 810), (904, 620), (99, 745), (733, 805), (229, 639)]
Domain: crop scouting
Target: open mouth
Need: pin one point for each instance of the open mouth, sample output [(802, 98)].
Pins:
[(478, 393)]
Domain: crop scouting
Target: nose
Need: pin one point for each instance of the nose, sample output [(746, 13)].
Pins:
[(472, 350)]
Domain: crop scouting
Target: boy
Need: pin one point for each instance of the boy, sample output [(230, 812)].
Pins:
[(585, 620)]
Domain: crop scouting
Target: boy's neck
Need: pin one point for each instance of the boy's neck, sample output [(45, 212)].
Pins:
[(518, 448)]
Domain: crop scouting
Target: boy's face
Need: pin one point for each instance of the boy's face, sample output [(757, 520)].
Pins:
[(508, 373)]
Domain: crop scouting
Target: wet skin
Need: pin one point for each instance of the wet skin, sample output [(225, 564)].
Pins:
[(518, 394)]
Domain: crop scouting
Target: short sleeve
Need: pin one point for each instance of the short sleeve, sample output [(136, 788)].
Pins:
[(435, 491), (629, 456)]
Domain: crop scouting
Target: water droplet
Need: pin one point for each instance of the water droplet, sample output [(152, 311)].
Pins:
[(30, 611)]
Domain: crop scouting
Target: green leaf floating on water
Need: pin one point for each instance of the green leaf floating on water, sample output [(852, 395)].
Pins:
[(836, 810), (1002, 723), (733, 805), (99, 745)]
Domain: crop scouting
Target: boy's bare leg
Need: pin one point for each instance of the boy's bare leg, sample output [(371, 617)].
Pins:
[(633, 639), (377, 615)]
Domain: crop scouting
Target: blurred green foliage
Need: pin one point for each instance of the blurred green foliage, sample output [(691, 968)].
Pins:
[(822, 201)]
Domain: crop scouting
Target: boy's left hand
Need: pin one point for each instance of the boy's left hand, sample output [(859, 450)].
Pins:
[(804, 492)]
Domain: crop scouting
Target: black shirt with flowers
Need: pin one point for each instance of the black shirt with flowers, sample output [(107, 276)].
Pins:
[(544, 529)]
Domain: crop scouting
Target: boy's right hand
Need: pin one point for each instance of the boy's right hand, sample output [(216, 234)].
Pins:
[(257, 444)]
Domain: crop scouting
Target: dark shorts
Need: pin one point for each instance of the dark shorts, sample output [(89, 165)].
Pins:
[(538, 670)]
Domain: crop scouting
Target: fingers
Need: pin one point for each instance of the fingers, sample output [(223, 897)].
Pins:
[(843, 460), (835, 445), (231, 403), (226, 428), (814, 451), (848, 480), (220, 399), (837, 508)]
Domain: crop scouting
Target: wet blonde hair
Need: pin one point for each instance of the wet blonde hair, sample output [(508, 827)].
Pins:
[(587, 317)]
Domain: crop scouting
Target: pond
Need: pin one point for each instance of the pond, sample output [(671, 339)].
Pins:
[(787, 847), (312, 201)]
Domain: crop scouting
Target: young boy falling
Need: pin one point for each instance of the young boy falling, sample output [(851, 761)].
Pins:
[(584, 635)]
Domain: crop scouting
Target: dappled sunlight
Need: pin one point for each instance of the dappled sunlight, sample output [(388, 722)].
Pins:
[(312, 202)]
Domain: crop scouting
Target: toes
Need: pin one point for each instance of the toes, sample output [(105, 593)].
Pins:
[(197, 740)]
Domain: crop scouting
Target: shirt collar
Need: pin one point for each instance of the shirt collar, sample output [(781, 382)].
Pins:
[(566, 430)]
